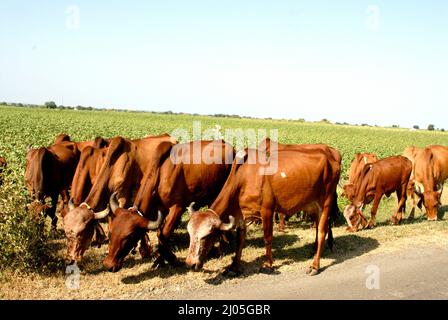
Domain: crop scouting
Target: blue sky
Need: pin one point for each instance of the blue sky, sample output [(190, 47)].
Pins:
[(376, 62)]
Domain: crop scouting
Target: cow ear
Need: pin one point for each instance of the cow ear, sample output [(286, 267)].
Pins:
[(190, 209)]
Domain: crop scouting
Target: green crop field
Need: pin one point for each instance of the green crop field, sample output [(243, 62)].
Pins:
[(28, 245)]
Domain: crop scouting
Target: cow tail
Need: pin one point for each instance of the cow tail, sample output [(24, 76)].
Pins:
[(334, 214)]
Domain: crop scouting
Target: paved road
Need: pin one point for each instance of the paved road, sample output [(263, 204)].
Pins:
[(414, 273)]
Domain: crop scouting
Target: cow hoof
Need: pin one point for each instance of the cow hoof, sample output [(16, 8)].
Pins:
[(144, 253), (394, 221), (159, 263), (351, 229), (311, 271), (266, 270)]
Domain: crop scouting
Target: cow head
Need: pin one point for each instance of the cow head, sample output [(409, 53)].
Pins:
[(354, 217), (127, 227), (204, 229), (348, 191), (431, 200), (79, 225)]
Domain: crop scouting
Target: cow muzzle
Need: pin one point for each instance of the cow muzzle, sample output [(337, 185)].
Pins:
[(112, 266), (197, 266), (194, 263)]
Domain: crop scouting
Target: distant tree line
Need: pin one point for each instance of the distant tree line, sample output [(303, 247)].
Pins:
[(53, 105)]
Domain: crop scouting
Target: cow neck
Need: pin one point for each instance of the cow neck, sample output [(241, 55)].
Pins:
[(78, 186), (221, 205), (361, 190)]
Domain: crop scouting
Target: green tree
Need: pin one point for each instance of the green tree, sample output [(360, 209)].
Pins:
[(50, 105), (416, 127), (431, 127)]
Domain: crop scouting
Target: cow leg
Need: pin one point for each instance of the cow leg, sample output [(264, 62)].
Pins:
[(164, 234), (235, 267), (145, 247), (65, 198), (322, 229), (281, 225), (51, 212), (100, 236), (376, 203), (267, 218), (415, 199), (398, 215)]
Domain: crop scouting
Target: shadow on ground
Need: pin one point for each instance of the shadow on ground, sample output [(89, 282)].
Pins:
[(346, 247)]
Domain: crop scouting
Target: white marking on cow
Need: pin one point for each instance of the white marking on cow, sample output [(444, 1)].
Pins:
[(418, 187), (240, 154), (283, 174), (365, 159)]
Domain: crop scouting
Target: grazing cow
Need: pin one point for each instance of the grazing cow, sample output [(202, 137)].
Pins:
[(2, 166), (178, 182), (430, 172), (286, 181), (49, 173), (358, 163), (265, 145), (383, 177), (411, 153), (86, 173), (123, 168)]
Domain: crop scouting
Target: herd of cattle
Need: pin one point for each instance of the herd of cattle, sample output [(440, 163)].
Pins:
[(146, 184)]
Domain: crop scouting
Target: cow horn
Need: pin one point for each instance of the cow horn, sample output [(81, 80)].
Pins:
[(71, 205), (113, 202), (102, 214), (153, 225), (228, 226), (190, 208), (362, 206), (418, 188), (29, 147)]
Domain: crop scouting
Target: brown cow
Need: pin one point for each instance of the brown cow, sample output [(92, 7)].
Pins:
[(430, 172), (89, 165), (122, 171), (180, 181), (287, 181), (358, 163), (383, 177), (49, 173), (266, 144), (2, 166)]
